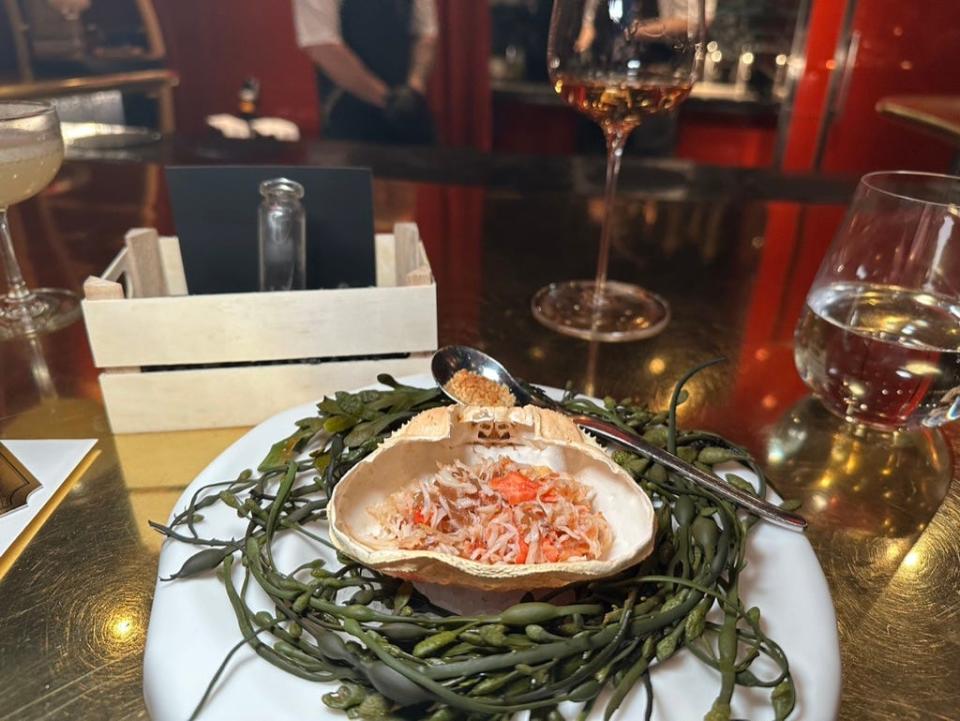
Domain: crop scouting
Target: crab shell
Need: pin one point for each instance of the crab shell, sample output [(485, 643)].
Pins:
[(529, 435)]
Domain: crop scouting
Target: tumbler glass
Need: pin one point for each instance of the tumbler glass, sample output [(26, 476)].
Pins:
[(879, 339)]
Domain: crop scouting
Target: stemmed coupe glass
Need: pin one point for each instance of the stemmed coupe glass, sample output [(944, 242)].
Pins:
[(31, 152), (617, 62)]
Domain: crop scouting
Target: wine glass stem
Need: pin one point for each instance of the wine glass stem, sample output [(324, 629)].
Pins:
[(616, 139), (17, 291)]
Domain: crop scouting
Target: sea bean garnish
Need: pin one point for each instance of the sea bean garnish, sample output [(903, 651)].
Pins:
[(397, 655), (206, 560)]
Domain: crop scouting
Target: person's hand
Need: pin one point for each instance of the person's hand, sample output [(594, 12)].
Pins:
[(403, 104), (418, 86), (70, 8), (659, 28), (585, 38), (407, 113)]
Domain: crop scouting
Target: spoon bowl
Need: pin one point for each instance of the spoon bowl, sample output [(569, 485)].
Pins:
[(452, 358)]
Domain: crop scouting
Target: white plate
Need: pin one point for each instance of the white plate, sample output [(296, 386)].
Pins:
[(192, 626)]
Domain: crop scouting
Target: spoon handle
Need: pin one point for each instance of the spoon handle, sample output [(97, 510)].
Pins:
[(637, 443)]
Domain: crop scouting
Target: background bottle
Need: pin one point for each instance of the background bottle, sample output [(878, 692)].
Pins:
[(282, 236), (248, 99)]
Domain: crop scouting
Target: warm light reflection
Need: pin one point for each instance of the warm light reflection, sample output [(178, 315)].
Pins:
[(657, 365), (856, 388), (860, 479), (650, 211), (912, 559), (894, 551), (852, 464), (122, 626), (769, 401), (921, 368)]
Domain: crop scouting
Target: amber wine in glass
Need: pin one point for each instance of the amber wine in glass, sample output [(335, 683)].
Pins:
[(618, 63), (31, 152), (612, 101)]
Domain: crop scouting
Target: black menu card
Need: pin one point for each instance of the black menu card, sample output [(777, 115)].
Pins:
[(215, 215)]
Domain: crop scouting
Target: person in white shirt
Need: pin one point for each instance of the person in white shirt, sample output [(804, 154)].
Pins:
[(373, 60)]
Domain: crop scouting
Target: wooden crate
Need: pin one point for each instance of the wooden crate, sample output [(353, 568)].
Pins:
[(173, 361)]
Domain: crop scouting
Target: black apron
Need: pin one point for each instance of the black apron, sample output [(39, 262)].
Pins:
[(379, 33)]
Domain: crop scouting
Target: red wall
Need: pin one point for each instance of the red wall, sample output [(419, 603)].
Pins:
[(215, 44), (905, 47), (718, 140)]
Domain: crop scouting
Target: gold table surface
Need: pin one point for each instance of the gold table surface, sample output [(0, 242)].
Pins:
[(884, 512)]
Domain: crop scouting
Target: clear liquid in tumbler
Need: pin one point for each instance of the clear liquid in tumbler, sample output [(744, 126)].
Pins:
[(882, 355)]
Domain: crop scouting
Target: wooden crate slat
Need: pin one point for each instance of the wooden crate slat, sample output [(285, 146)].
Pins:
[(172, 264), (226, 397), (144, 264), (386, 253), (234, 327)]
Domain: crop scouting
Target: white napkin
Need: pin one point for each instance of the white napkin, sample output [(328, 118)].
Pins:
[(230, 125), (239, 129), (277, 128), (51, 462)]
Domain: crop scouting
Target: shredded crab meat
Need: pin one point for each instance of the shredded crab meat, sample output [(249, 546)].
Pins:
[(498, 511)]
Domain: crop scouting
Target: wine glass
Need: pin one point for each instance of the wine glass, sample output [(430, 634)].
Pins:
[(617, 62), (31, 151)]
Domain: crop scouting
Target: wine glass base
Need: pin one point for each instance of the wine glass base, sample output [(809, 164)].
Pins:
[(47, 310), (623, 312)]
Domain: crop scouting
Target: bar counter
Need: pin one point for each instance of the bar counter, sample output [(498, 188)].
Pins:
[(732, 250)]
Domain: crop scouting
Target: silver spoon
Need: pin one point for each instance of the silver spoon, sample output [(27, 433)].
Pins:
[(450, 359)]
